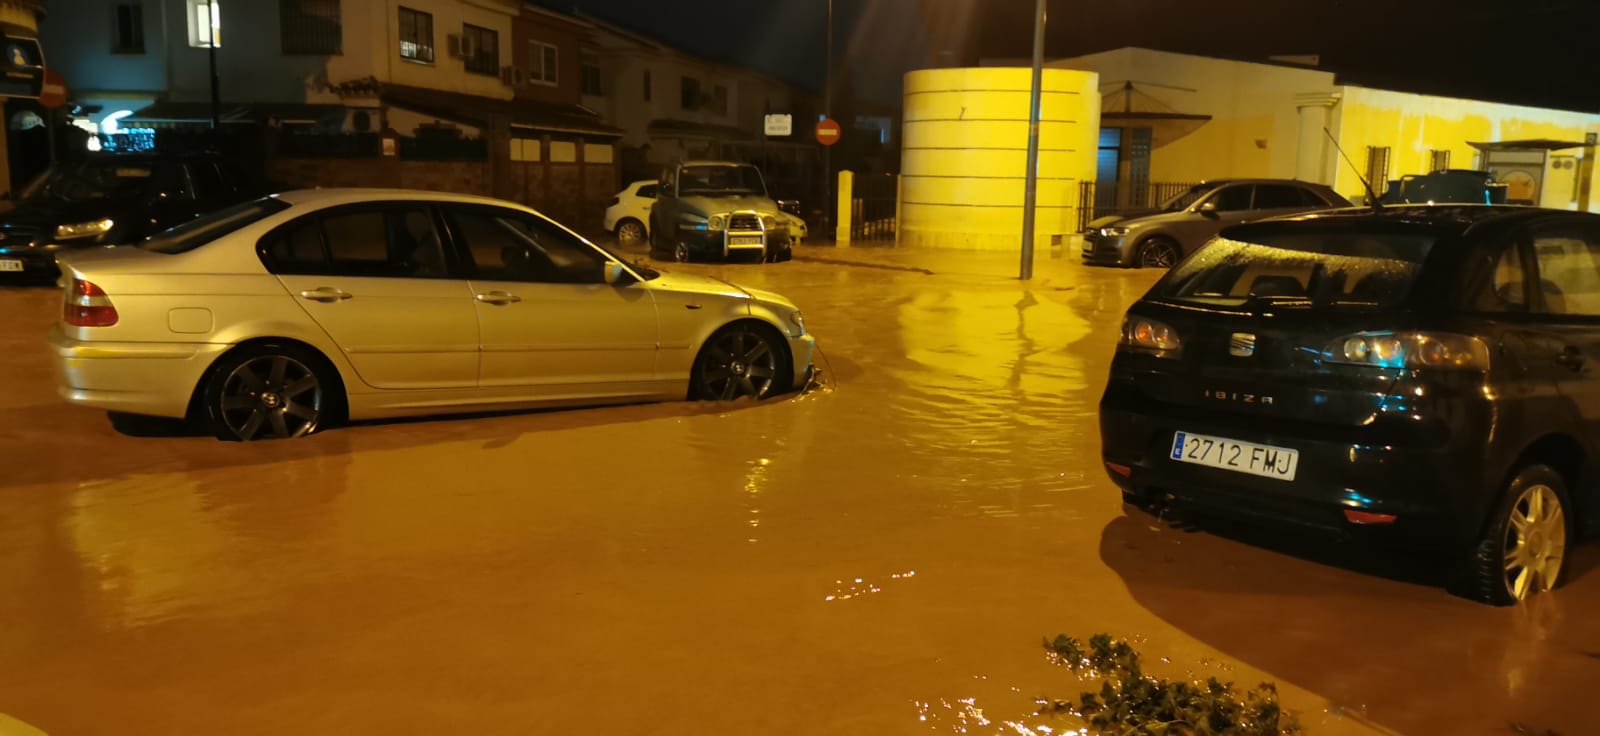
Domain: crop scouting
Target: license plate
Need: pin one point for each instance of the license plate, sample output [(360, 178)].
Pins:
[(745, 240), (1240, 457), (10, 264)]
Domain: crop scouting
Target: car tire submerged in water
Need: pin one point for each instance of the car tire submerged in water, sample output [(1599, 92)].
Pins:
[(742, 360), (1158, 251), (1524, 548), (267, 391)]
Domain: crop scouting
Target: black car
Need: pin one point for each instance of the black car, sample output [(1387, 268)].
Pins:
[(110, 200), (1427, 374)]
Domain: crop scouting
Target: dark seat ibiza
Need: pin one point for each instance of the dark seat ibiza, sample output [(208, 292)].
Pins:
[(1423, 372)]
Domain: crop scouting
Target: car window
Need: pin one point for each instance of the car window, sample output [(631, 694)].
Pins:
[(1278, 197), (1569, 270), (380, 241), (506, 245), (207, 228), (648, 191), (1232, 199), (1507, 288), (1310, 198)]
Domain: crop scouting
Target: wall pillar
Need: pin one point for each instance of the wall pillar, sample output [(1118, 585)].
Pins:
[(1312, 153)]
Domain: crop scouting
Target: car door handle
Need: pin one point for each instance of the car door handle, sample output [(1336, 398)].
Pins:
[(1572, 358), (500, 298), (325, 294)]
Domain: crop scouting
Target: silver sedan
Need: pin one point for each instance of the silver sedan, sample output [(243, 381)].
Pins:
[(282, 315)]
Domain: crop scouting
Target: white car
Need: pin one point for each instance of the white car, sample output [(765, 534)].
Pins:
[(281, 315), (628, 215), (629, 212)]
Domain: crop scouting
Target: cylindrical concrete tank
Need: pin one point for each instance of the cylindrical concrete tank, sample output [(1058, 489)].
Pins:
[(966, 149)]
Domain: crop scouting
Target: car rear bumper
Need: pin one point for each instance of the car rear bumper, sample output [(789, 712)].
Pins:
[(1429, 488), (156, 379)]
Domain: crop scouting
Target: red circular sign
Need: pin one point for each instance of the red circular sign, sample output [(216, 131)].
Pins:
[(54, 92), (827, 131)]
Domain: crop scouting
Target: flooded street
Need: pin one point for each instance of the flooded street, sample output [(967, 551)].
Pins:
[(881, 555)]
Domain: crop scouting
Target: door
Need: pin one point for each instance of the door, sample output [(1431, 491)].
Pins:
[(1566, 254), (376, 279), (547, 318), (644, 198), (1229, 205)]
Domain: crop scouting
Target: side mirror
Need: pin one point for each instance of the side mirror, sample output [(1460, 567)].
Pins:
[(1208, 208), (616, 275)]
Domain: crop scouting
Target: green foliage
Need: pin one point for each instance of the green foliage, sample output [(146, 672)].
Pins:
[(1130, 703)]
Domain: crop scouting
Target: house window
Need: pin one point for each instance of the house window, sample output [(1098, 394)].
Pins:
[(1378, 168), (719, 100), (543, 63), (1438, 160), (416, 35), (690, 94), (480, 50), (310, 27), (129, 37), (205, 23), (591, 76), (647, 85)]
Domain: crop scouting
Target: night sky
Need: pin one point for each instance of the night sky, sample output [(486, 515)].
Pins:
[(1527, 51)]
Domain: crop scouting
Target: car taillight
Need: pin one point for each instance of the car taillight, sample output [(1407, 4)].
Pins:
[(1409, 350), (614, 202), (1150, 336), (88, 306)]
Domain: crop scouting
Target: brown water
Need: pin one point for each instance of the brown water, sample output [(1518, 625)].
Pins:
[(881, 555)]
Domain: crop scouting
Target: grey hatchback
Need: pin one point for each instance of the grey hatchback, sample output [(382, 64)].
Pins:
[(1159, 238)]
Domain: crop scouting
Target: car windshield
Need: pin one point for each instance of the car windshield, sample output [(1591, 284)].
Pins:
[(721, 179), (1182, 201), (90, 180), (1300, 267), (204, 229)]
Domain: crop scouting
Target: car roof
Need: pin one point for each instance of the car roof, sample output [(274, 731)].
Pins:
[(1220, 182), (353, 195), (1452, 219), (709, 162)]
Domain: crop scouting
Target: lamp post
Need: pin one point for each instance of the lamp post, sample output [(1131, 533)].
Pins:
[(211, 56), (1030, 191), (828, 205)]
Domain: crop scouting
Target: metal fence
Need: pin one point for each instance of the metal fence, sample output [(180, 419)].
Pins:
[(872, 209), (1095, 201)]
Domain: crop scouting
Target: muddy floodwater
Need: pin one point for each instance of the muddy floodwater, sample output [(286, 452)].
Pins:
[(881, 555)]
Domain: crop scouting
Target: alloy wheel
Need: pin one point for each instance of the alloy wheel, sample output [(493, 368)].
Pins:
[(680, 252), (271, 397), (1158, 254), (739, 363), (1536, 542), (630, 232)]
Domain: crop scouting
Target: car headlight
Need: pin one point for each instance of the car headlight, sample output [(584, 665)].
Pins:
[(769, 222), (1113, 232), (799, 322), (83, 229), (717, 222)]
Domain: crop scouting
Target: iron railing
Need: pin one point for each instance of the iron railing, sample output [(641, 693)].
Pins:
[(1095, 201)]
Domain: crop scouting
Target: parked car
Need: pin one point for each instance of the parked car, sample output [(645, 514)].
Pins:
[(629, 211), (1451, 186), (628, 215), (1425, 373), (1161, 237), (708, 210), (280, 315), (108, 200)]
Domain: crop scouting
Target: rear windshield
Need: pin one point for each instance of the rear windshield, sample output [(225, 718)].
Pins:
[(1300, 267), (206, 228)]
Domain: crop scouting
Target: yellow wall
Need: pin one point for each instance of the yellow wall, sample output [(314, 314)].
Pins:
[(1410, 125), (965, 155)]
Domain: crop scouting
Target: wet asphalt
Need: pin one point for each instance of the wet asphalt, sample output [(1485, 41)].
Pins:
[(882, 554)]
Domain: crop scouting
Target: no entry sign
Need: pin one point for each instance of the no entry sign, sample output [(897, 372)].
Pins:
[(827, 131), (54, 92)]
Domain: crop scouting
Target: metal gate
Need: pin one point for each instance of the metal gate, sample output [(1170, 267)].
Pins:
[(872, 210)]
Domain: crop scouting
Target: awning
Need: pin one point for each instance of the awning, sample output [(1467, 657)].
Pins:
[(1531, 144), (527, 116), (671, 128), (177, 113), (1130, 107)]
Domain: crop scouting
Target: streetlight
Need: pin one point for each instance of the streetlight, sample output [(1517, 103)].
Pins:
[(1030, 191)]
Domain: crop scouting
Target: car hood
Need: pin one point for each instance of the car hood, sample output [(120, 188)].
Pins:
[(687, 283), (1138, 217), (47, 213), (713, 205)]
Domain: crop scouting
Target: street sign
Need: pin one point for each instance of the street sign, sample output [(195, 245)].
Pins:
[(21, 67), (53, 93), (780, 124), (827, 131)]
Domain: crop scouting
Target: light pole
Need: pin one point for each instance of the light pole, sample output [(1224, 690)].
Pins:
[(211, 56), (1030, 191), (829, 207)]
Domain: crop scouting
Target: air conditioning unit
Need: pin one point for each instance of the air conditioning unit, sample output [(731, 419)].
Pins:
[(455, 43), (512, 76)]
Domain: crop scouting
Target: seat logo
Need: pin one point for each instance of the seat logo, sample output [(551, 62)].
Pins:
[(1242, 345)]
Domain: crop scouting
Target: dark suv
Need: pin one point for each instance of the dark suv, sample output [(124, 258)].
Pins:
[(1161, 237), (1421, 372), (111, 200)]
